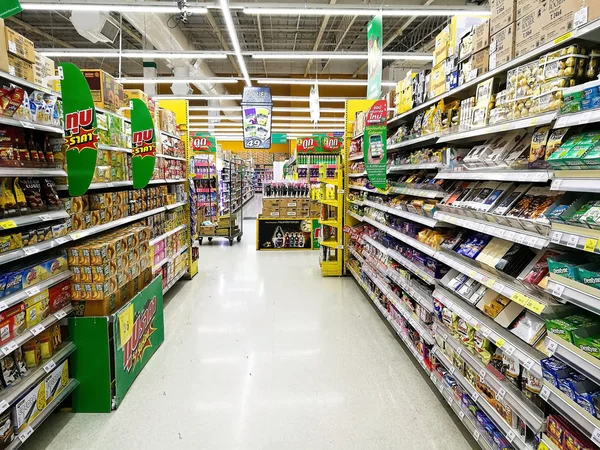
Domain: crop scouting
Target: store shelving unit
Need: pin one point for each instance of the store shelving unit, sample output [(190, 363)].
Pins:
[(331, 239)]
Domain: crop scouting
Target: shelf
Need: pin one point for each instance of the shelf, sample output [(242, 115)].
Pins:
[(412, 319), (175, 205), (362, 188), (114, 149), (576, 358), (176, 158), (330, 223), (579, 238), (571, 411), (358, 157), (24, 83), (356, 136), (30, 219), (528, 356), (428, 139), (405, 214), (28, 334), (103, 185), (535, 302), (331, 244), (411, 267), (484, 133), (422, 166), (357, 175), (35, 424), (548, 443), (15, 391), (580, 118), (415, 192), (33, 249), (356, 216), (574, 292), (493, 174), (422, 298), (167, 234), (429, 251), (511, 435), (31, 171), (170, 258), (332, 181), (520, 404), (576, 181), (330, 203), (165, 133), (9, 121), (20, 296), (356, 202), (357, 255), (174, 280), (528, 238)]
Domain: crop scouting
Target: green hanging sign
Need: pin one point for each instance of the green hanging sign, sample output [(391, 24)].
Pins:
[(374, 54), (279, 138), (81, 134), (375, 144), (143, 139), (10, 8)]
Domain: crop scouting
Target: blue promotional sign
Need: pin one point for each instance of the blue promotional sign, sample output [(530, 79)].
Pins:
[(257, 107)]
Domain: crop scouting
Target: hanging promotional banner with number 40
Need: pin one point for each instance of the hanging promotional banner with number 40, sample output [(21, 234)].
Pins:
[(203, 143)]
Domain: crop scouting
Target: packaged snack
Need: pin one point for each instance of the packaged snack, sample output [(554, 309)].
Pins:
[(565, 327), (537, 152), (50, 194), (32, 190), (10, 370), (554, 370), (8, 202)]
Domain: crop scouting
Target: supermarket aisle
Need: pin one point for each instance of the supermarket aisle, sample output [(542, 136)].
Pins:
[(263, 353), (253, 207)]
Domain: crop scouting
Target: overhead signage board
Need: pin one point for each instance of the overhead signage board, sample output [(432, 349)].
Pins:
[(257, 110)]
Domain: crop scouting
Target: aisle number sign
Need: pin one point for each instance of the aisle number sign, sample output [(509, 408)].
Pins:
[(10, 8), (203, 143), (81, 134), (374, 54), (375, 144), (143, 139)]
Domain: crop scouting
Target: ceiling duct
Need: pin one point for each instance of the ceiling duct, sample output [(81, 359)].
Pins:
[(95, 26)]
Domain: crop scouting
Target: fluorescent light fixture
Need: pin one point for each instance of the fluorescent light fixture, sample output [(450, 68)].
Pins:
[(307, 119), (132, 54), (323, 110), (234, 40), (275, 109), (275, 125), (138, 7), (197, 97), (321, 81), (396, 11), (341, 55), (174, 80), (281, 130), (208, 118), (215, 108)]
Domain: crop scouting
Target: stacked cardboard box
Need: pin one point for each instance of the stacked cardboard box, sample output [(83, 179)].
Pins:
[(167, 121), (289, 208), (43, 68), (107, 92), (502, 32), (20, 55), (225, 224), (129, 94)]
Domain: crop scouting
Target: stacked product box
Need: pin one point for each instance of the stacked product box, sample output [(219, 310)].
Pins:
[(109, 270), (107, 93)]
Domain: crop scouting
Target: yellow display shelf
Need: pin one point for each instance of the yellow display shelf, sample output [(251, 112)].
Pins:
[(330, 202), (329, 181), (330, 223), (329, 243), (330, 220)]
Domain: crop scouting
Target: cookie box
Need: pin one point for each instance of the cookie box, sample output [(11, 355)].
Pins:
[(29, 407)]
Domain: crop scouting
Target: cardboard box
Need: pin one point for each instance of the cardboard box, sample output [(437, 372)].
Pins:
[(87, 308), (481, 36), (440, 52), (528, 32), (270, 203), (503, 14), (288, 212), (3, 48), (43, 68), (502, 47), (20, 68), (19, 45), (525, 7), (57, 380), (304, 212), (480, 61), (270, 212), (438, 80), (106, 92), (289, 203), (557, 18), (29, 407), (129, 94)]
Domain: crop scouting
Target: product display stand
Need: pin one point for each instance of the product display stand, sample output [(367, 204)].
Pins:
[(332, 200)]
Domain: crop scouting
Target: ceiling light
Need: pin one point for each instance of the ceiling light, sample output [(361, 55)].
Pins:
[(174, 80), (397, 11), (341, 55), (321, 81), (197, 97), (234, 40), (137, 7), (133, 54), (214, 108), (275, 109)]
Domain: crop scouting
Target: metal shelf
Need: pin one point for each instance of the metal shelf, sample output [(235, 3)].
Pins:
[(416, 192), (357, 175), (356, 157), (113, 149), (576, 181), (170, 258), (174, 280), (19, 296), (504, 339), (492, 174), (357, 255), (428, 139), (526, 410), (577, 359), (580, 118), (579, 238), (574, 292), (421, 298), (33, 249), (30, 219), (520, 236), (24, 83), (412, 267), (31, 171), (167, 234), (430, 251), (9, 121), (356, 216), (404, 214), (170, 134), (414, 321), (362, 188), (35, 424), (406, 167), (175, 205)]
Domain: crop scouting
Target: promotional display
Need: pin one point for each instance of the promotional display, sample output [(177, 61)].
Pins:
[(374, 53), (143, 139), (257, 108), (10, 8), (374, 144), (203, 143), (81, 133), (319, 144), (139, 330), (288, 234)]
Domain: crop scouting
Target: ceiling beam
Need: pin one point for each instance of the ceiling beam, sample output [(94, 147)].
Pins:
[(262, 45), (319, 37), (217, 31)]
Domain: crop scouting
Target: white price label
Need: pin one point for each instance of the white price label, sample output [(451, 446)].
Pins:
[(510, 235), (26, 124), (475, 397), (444, 337), (555, 186), (461, 415), (556, 237), (552, 346), (3, 406), (476, 435), (10, 347), (3, 306), (572, 240), (60, 315), (450, 401), (508, 349), (12, 47), (32, 291), (486, 332), (49, 367), (558, 290), (37, 329), (510, 436), (44, 217), (538, 177), (500, 232), (459, 351), (24, 435), (61, 240), (531, 241), (529, 364), (452, 370), (500, 395), (499, 287), (30, 250), (545, 393), (520, 238), (482, 374), (109, 185), (596, 436)]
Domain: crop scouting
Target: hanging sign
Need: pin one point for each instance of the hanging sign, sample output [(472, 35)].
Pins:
[(332, 144), (143, 138), (374, 50), (257, 106), (203, 143), (308, 144), (279, 138), (318, 144), (81, 134), (10, 8), (375, 144)]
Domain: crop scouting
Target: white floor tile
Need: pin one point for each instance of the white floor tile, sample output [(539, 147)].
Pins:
[(261, 352)]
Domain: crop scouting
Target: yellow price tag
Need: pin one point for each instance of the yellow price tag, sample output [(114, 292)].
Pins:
[(489, 283), (542, 446), (126, 325), (518, 298), (471, 273), (499, 342), (534, 121), (564, 37), (534, 306), (590, 245), (8, 224)]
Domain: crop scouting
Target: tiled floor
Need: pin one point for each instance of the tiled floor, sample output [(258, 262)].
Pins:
[(261, 352)]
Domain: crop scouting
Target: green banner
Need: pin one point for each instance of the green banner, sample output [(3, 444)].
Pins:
[(204, 143), (138, 331), (375, 144), (81, 134), (9, 8), (279, 138), (143, 138), (374, 50)]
